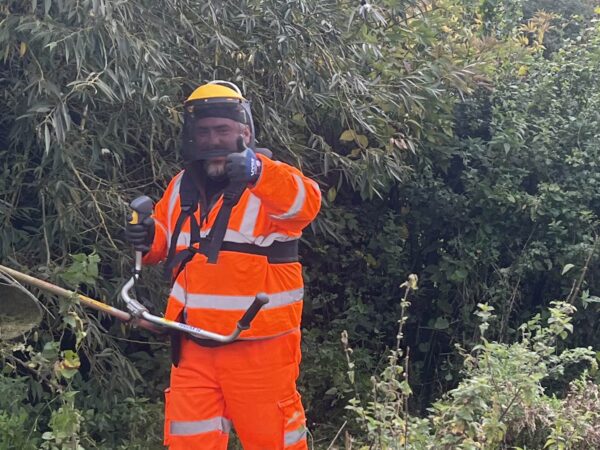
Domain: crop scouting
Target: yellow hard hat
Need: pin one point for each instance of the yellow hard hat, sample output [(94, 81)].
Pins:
[(216, 90)]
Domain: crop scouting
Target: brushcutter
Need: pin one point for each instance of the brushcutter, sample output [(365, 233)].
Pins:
[(20, 311), (142, 209)]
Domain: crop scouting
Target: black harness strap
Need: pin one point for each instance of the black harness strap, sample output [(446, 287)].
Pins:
[(276, 253), (189, 197), (214, 240)]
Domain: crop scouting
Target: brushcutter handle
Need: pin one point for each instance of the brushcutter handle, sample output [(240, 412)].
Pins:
[(141, 209), (244, 323), (260, 301)]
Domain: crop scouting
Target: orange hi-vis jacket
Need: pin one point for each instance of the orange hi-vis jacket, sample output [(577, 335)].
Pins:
[(214, 296)]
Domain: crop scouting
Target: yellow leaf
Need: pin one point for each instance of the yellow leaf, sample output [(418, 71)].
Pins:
[(331, 194), (597, 10), (523, 70), (413, 281), (298, 118), (348, 135), (22, 49), (457, 428), (523, 40), (355, 153), (362, 140), (71, 364), (403, 232)]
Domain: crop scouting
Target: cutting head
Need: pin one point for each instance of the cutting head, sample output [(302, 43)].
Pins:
[(20, 310)]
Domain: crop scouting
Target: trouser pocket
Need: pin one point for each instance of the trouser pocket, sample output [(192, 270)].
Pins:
[(194, 420), (294, 423)]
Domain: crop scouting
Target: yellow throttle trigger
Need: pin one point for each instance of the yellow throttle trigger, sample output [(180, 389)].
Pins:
[(134, 218), (141, 209)]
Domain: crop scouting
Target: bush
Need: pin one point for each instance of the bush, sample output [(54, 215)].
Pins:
[(501, 400)]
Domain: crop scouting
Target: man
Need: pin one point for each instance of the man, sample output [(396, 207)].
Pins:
[(228, 227)]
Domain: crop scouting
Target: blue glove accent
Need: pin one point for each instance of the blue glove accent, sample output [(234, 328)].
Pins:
[(243, 167)]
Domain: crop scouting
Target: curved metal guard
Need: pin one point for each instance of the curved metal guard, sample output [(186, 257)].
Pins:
[(140, 311)]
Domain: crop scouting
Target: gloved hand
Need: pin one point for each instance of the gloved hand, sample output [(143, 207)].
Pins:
[(141, 234), (243, 167)]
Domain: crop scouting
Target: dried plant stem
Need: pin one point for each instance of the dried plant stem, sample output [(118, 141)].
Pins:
[(577, 286)]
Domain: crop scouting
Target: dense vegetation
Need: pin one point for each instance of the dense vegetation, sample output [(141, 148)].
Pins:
[(454, 139)]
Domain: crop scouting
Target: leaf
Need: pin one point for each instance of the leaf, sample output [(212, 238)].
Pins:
[(331, 194), (441, 323), (47, 139), (71, 360), (355, 153), (22, 49), (567, 268), (523, 70), (362, 140), (331, 391), (348, 136)]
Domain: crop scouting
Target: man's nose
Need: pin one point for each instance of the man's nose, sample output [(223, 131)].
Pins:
[(213, 138)]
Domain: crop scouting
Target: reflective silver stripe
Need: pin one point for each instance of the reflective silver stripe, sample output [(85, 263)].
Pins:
[(183, 239), (233, 302), (250, 215), (235, 236), (262, 241), (187, 428), (172, 202), (298, 201), (292, 437)]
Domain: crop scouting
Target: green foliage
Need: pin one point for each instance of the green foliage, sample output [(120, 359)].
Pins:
[(83, 270), (381, 416), (492, 217), (17, 418), (501, 401), (447, 146), (64, 424), (67, 363), (90, 115)]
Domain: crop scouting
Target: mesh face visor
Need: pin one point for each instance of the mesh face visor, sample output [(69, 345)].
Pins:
[(234, 109)]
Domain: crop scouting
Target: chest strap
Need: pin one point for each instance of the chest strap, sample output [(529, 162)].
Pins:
[(276, 253)]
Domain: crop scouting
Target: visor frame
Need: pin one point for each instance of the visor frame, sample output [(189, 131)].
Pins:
[(188, 149)]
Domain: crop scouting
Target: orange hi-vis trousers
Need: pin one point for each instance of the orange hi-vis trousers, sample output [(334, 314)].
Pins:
[(250, 385)]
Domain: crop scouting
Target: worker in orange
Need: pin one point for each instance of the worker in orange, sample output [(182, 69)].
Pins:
[(227, 228)]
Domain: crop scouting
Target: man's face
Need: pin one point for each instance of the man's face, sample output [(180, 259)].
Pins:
[(218, 133)]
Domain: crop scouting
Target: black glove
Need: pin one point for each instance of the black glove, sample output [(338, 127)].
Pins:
[(243, 167), (141, 234)]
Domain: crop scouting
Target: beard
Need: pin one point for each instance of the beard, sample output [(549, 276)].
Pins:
[(215, 168)]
